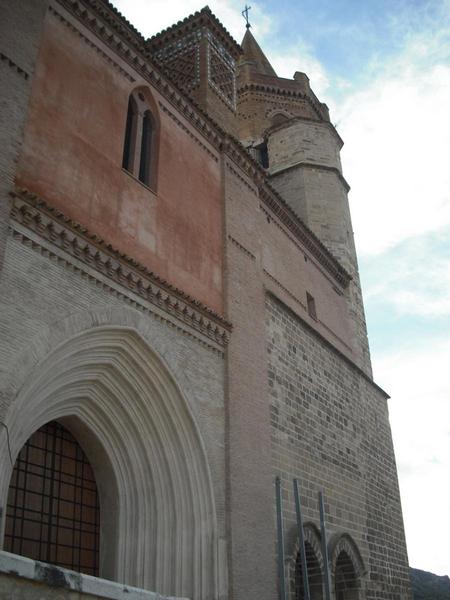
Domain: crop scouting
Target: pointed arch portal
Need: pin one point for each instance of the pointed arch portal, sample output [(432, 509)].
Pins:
[(117, 398)]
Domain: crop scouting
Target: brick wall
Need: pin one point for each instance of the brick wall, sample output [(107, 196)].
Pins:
[(330, 430), (305, 169), (44, 302), (18, 21)]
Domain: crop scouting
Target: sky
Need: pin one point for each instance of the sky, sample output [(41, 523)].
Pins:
[(383, 68)]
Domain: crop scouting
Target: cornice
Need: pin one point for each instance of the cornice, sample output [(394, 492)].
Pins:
[(331, 346), (311, 165), (119, 39), (288, 217), (115, 32), (283, 92), (309, 240), (34, 214), (13, 65)]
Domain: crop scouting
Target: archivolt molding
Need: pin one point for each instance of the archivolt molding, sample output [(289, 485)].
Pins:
[(273, 112), (87, 249), (345, 543), (108, 382), (312, 536)]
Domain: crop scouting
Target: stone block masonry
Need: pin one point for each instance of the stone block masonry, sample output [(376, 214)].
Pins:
[(330, 430)]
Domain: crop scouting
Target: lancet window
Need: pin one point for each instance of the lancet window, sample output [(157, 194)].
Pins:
[(139, 149)]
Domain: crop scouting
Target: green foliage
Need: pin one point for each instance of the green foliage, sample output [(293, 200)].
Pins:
[(427, 586)]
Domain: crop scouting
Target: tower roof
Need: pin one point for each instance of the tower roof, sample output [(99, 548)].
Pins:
[(253, 53)]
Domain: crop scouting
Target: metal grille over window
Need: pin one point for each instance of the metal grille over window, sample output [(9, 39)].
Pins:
[(53, 509)]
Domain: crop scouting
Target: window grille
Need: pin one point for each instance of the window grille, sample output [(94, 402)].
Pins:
[(53, 509)]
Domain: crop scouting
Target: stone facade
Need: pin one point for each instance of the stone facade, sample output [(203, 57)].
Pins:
[(199, 333), (330, 429)]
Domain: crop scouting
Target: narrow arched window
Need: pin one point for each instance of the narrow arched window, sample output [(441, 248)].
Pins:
[(53, 510), (139, 150), (130, 135), (346, 580), (146, 148), (314, 575)]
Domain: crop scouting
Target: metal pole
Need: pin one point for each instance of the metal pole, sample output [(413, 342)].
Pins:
[(301, 539), (324, 548), (281, 572)]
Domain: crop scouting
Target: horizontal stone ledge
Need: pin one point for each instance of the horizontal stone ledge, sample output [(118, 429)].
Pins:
[(20, 567)]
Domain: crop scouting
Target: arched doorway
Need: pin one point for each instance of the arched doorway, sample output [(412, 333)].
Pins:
[(347, 567), (314, 575), (345, 579), (314, 565), (52, 512), (158, 527)]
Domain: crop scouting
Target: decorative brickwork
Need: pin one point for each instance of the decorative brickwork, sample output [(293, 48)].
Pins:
[(221, 72), (181, 61), (76, 241)]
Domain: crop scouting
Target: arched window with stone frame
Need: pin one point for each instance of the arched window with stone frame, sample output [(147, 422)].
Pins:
[(314, 565), (347, 567), (140, 148)]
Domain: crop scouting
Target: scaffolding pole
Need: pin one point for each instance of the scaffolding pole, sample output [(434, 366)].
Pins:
[(281, 570), (301, 539)]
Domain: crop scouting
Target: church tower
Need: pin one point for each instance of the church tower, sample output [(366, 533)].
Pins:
[(288, 130), (199, 55)]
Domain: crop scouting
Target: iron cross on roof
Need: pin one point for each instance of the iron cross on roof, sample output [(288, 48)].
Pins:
[(245, 15)]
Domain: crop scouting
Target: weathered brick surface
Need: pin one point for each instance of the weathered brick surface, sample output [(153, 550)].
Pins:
[(18, 21), (42, 300), (14, 588), (256, 107), (305, 169), (310, 142), (252, 570), (330, 430)]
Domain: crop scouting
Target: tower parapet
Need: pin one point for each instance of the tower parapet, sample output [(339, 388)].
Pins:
[(264, 99)]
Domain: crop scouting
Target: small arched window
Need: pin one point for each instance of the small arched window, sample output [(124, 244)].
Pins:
[(346, 580), (53, 510), (139, 149)]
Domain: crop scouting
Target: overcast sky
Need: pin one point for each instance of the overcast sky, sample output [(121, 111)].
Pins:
[(383, 67)]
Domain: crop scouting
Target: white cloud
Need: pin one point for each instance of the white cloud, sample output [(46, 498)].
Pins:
[(417, 378), (414, 277), (298, 57), (396, 156), (152, 16)]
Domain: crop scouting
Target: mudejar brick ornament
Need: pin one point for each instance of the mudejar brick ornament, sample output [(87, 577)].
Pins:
[(182, 330)]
